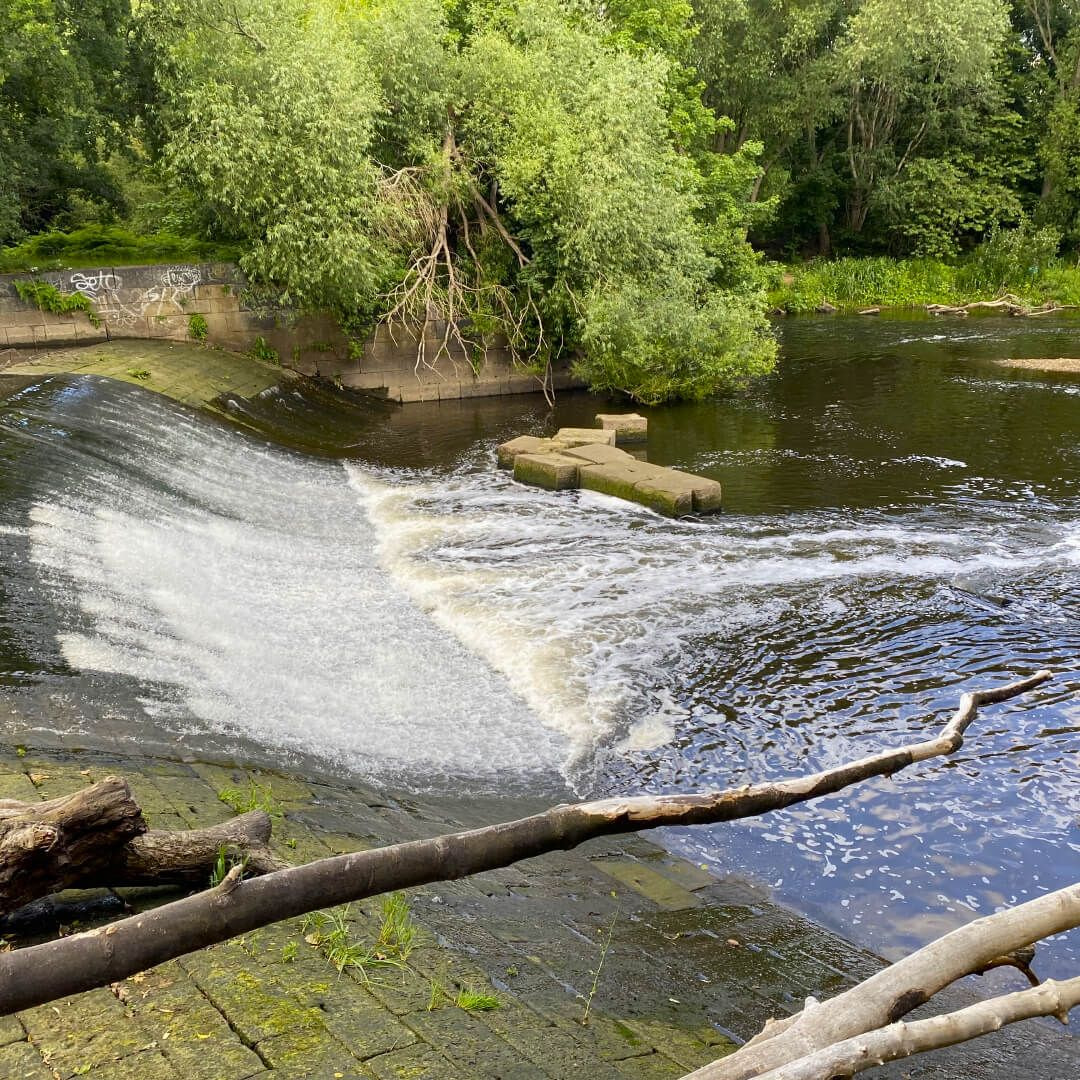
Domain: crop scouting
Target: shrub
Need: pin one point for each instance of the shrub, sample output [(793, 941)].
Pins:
[(49, 298), (197, 328)]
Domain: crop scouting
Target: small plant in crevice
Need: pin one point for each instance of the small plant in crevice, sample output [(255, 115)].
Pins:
[(476, 1000), (289, 952), (467, 998), (262, 350), (224, 862), (605, 949), (138, 373), (47, 297), (197, 327), (331, 933), (398, 934), (255, 797)]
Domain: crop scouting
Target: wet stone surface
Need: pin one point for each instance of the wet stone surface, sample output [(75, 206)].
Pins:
[(689, 965)]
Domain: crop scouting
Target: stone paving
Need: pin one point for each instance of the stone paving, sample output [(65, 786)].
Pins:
[(688, 965)]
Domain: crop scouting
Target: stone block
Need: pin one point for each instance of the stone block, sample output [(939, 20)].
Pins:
[(571, 437), (522, 384), (417, 391), (20, 336), (628, 427), (616, 478), (555, 472), (600, 454), (706, 492), (523, 444), (665, 495), (84, 332)]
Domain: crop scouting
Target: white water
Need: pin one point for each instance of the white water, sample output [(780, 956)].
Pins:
[(404, 625), (250, 593)]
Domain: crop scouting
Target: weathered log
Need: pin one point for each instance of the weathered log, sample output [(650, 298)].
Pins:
[(895, 991), (50, 846), (98, 957), (186, 858), (98, 837), (901, 1040)]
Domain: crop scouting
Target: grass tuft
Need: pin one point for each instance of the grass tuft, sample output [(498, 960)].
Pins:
[(254, 797)]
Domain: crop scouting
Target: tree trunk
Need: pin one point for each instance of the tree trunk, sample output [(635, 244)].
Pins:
[(98, 837), (50, 846)]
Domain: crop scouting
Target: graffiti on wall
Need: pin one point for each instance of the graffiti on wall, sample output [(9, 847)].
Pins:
[(125, 305)]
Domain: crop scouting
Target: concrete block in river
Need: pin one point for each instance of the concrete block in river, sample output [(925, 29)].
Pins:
[(523, 444), (707, 493), (615, 478), (597, 453), (628, 427), (556, 472), (571, 437), (665, 493)]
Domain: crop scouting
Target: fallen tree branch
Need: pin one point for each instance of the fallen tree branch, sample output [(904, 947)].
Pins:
[(46, 847), (895, 991), (186, 858), (901, 1040), (81, 962), (98, 837)]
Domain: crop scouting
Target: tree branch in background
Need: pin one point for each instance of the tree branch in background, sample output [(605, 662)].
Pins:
[(81, 962)]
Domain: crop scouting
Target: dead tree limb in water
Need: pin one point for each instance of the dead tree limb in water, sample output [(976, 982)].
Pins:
[(98, 836), (901, 1040), (55, 969), (892, 993)]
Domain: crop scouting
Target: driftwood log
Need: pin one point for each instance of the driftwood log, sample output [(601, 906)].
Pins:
[(892, 993), (98, 836), (1008, 303), (98, 957)]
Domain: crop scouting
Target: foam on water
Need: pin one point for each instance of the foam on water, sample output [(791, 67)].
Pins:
[(585, 603)]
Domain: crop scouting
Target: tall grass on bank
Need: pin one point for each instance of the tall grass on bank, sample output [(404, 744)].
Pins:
[(108, 245), (1021, 261)]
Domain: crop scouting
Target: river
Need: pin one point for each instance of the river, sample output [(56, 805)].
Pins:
[(361, 591)]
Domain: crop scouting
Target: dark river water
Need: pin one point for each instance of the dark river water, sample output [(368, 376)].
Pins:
[(360, 590)]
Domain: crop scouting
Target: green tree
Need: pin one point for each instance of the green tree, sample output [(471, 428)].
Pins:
[(62, 98), (905, 64), (515, 169)]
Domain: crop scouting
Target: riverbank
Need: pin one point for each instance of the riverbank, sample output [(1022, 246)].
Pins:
[(849, 285), (688, 963)]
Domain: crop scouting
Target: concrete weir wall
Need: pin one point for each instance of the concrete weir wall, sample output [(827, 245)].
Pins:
[(159, 301)]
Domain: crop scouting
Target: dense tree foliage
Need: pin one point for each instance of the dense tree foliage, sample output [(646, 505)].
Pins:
[(60, 109), (575, 177)]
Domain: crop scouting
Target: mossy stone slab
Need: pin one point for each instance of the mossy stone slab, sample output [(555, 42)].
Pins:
[(628, 427), (707, 492), (600, 454), (569, 437), (523, 444), (554, 472)]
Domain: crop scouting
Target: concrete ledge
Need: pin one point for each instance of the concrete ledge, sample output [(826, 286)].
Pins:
[(628, 427)]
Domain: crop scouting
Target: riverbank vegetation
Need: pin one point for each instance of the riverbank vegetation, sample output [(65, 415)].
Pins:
[(619, 182)]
